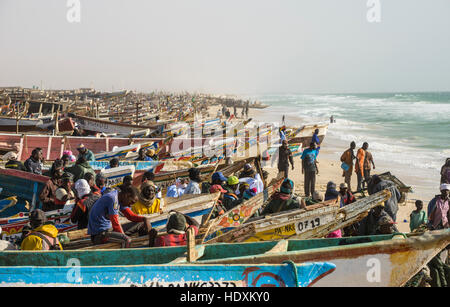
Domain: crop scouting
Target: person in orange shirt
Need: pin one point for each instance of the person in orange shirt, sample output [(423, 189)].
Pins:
[(359, 166)]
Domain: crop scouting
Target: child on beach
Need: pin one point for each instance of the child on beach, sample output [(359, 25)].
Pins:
[(418, 217)]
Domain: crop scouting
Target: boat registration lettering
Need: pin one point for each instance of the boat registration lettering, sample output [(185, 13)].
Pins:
[(195, 284), (307, 224)]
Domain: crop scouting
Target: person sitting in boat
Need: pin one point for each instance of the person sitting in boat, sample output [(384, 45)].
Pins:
[(142, 155), (67, 157), (100, 183), (34, 163), (114, 162), (151, 155), (370, 225), (47, 195), (283, 200), (177, 189), (147, 202), (85, 153), (90, 179), (230, 199), (85, 199), (103, 222), (150, 176), (80, 169), (252, 178), (12, 162), (177, 227), (346, 196), (216, 178), (331, 192), (438, 209), (43, 235), (64, 192), (193, 186)]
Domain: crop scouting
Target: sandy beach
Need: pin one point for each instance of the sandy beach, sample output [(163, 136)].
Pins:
[(329, 170)]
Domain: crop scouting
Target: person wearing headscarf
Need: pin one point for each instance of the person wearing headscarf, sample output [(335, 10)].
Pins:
[(282, 200), (331, 192), (230, 199), (438, 209), (85, 199), (43, 236), (12, 162), (177, 227), (147, 203), (193, 186)]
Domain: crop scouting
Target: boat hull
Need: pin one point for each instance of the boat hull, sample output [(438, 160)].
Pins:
[(186, 275)]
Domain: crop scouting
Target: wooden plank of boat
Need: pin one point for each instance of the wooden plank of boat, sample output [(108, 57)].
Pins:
[(25, 186), (114, 176), (241, 213), (118, 152), (174, 275), (369, 261), (7, 203)]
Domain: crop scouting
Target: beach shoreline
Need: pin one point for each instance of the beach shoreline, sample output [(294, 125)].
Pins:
[(330, 170)]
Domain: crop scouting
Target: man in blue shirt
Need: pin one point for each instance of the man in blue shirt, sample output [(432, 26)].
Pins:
[(315, 139), (104, 226), (309, 168)]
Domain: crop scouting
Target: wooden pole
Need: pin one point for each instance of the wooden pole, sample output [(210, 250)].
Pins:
[(191, 252)]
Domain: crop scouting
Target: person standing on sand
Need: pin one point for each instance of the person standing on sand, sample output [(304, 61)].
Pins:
[(347, 164), (368, 163), (418, 217), (309, 168), (438, 209), (445, 172), (284, 157), (359, 166)]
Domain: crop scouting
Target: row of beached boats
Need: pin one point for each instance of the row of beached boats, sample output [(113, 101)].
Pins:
[(235, 250)]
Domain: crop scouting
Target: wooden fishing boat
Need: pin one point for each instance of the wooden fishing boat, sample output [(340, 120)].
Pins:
[(175, 275), (304, 134), (381, 260), (118, 152), (12, 226), (315, 222), (95, 125), (7, 203), (238, 215), (114, 176), (25, 186)]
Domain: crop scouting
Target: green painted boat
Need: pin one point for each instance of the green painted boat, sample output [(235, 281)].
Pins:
[(383, 260)]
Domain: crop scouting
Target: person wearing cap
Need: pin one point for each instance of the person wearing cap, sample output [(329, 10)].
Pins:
[(12, 162), (438, 209), (347, 164), (331, 192), (47, 195), (216, 178), (177, 189), (34, 163), (67, 157), (80, 169), (230, 199), (193, 186), (282, 200), (177, 227), (103, 221), (376, 184), (284, 158), (85, 199), (309, 168), (85, 153), (64, 192), (147, 202), (43, 236), (346, 196)]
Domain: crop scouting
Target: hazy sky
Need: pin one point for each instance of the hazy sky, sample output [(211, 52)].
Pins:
[(227, 46)]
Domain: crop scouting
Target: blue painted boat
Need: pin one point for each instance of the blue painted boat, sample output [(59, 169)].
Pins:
[(25, 186), (184, 275)]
